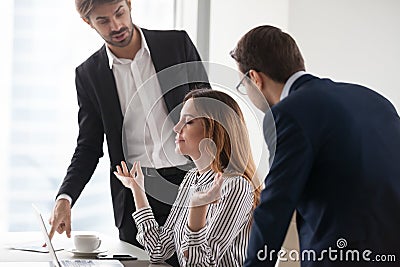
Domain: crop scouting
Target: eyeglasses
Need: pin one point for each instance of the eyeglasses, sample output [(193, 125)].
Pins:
[(241, 87)]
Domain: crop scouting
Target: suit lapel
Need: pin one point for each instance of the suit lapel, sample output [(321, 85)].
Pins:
[(154, 50), (108, 96)]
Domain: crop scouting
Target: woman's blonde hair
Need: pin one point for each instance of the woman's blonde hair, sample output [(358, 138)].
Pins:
[(224, 124)]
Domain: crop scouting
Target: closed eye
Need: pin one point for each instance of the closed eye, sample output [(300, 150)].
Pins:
[(103, 21)]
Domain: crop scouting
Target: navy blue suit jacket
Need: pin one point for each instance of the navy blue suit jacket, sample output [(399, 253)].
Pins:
[(337, 163)]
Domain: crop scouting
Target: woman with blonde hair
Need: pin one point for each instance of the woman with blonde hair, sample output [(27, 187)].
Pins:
[(210, 220)]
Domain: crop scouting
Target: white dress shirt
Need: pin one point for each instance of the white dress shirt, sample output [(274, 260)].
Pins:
[(148, 129)]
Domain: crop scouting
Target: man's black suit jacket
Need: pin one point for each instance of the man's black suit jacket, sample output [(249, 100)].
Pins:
[(100, 112), (336, 164)]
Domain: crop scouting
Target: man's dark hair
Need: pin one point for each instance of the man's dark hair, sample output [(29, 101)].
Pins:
[(269, 50), (85, 7)]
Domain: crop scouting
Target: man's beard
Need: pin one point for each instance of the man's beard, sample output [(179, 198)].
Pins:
[(122, 43)]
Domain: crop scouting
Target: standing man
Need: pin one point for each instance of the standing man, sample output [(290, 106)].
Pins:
[(105, 84), (336, 161)]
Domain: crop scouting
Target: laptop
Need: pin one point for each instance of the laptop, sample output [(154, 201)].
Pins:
[(64, 263)]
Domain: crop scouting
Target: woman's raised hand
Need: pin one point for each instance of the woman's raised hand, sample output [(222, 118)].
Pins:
[(212, 195), (133, 179)]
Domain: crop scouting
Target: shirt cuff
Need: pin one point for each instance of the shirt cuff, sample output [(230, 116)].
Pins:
[(195, 243), (195, 238), (64, 196)]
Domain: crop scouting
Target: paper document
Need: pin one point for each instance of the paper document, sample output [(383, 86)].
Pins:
[(35, 246)]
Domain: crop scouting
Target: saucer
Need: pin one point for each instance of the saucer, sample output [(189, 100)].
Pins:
[(82, 253)]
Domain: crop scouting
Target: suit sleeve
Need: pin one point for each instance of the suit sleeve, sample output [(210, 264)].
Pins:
[(191, 51), (89, 144), (283, 186), (197, 71)]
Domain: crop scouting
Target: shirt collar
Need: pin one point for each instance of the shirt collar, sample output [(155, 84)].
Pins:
[(143, 48), (205, 177), (289, 83)]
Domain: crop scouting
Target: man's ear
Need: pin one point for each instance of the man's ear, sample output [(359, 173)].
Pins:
[(257, 78), (87, 21), (128, 2)]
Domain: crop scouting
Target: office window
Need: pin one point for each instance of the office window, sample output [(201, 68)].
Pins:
[(48, 40)]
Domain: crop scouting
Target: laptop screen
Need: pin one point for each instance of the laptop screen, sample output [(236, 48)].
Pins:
[(46, 237)]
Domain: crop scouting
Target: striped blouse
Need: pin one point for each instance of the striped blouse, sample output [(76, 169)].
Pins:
[(222, 242)]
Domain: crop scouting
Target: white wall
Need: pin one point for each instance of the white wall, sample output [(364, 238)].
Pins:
[(231, 19), (356, 41)]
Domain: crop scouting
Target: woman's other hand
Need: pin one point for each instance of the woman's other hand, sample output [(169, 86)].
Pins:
[(133, 179), (210, 196)]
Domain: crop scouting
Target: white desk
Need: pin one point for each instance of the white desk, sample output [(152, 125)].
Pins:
[(112, 245)]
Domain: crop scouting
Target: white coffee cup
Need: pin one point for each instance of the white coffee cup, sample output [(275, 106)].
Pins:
[(86, 242)]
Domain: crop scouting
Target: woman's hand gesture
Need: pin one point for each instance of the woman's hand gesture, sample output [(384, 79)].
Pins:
[(212, 195), (133, 179)]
